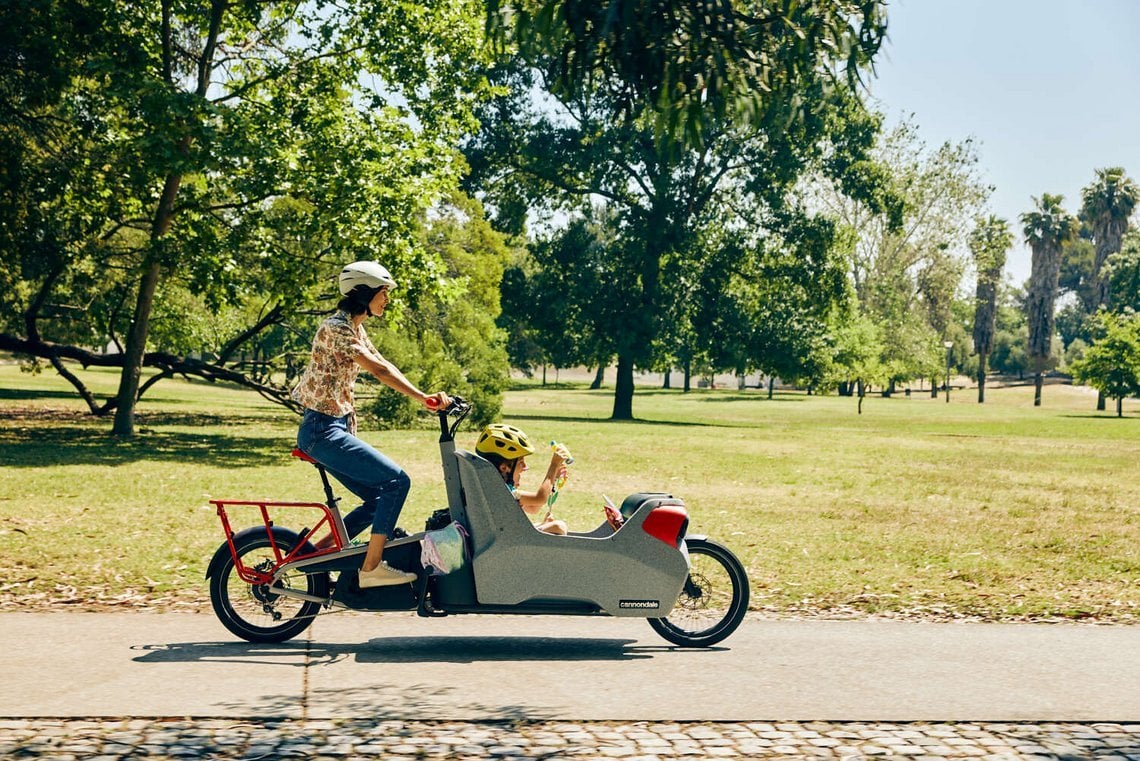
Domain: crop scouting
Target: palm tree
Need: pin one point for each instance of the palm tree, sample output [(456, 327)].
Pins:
[(1046, 230), (989, 242), (1106, 206)]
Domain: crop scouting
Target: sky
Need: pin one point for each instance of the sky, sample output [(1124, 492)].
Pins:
[(1049, 89)]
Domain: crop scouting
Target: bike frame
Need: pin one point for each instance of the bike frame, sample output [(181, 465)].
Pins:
[(330, 519)]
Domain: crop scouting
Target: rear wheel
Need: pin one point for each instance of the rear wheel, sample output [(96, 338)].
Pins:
[(713, 601), (252, 611)]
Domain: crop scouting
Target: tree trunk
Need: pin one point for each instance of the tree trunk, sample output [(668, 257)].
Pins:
[(1120, 406), (599, 378), (981, 379), (772, 384), (1100, 401), (124, 424), (933, 388), (668, 383), (623, 394), (1038, 380), (688, 376)]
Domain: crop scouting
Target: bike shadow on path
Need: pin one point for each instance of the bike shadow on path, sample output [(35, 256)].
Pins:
[(407, 650)]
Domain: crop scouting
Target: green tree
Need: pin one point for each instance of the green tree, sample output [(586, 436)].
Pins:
[(1046, 231), (854, 352), (1112, 364), (564, 153), (907, 264), (759, 305), (238, 150), (989, 243)]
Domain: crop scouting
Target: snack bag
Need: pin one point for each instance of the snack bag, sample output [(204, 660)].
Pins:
[(613, 517)]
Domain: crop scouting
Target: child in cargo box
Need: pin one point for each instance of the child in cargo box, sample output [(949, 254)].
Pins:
[(506, 447)]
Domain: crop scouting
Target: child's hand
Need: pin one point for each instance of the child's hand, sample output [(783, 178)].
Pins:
[(561, 452)]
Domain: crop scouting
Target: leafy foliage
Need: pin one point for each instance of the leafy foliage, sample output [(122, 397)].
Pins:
[(908, 260), (1122, 270), (446, 339), (693, 66)]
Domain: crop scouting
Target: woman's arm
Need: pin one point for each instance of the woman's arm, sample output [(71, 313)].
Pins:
[(390, 375)]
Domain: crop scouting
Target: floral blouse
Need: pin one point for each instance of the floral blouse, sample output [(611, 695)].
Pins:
[(326, 385)]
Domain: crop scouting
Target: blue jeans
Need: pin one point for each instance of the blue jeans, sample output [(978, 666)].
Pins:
[(381, 483)]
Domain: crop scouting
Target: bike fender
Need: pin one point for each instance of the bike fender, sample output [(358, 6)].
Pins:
[(223, 552)]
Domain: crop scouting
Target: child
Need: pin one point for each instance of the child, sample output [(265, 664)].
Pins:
[(506, 447)]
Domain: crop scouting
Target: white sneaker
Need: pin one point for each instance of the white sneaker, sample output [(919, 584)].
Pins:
[(384, 575)]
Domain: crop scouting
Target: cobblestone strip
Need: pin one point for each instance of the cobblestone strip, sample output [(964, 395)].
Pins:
[(186, 740)]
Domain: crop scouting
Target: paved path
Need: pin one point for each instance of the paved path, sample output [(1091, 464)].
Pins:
[(523, 687), (524, 668)]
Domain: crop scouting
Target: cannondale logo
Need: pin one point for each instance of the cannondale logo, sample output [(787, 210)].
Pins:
[(649, 604)]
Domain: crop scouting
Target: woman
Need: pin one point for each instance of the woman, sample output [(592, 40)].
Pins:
[(328, 430)]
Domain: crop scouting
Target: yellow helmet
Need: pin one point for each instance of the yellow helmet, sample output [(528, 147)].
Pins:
[(503, 440)]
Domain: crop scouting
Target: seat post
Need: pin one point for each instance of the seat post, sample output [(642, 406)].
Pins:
[(330, 498), (331, 501)]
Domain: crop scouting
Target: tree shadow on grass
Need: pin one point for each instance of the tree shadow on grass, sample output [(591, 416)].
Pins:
[(556, 418), (757, 395), (1098, 416), (44, 446), (25, 394)]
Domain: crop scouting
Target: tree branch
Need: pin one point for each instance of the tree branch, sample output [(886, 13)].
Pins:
[(98, 410), (272, 317), (168, 364)]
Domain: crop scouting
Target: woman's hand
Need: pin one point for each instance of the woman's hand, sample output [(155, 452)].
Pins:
[(437, 401)]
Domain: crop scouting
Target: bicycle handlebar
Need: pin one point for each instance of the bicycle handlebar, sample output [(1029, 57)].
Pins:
[(459, 409)]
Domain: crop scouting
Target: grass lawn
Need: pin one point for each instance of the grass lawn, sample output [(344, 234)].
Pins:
[(916, 507)]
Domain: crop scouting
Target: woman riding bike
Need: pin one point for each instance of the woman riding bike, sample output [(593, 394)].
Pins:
[(340, 350)]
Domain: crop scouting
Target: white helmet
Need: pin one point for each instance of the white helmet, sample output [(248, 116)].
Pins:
[(370, 274)]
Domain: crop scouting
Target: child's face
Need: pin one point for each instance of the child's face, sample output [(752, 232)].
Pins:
[(520, 468)]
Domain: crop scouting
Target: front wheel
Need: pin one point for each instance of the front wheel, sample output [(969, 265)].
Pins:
[(713, 601), (252, 611)]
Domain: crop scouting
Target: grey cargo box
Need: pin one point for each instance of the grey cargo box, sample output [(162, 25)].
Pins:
[(625, 573)]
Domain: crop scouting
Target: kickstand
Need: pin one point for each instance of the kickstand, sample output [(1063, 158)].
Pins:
[(425, 609)]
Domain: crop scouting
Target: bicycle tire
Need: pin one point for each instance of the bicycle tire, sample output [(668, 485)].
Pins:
[(713, 600), (251, 611)]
